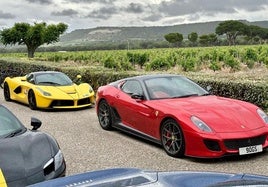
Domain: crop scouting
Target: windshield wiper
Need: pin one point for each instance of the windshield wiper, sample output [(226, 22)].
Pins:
[(206, 94), (183, 96), (53, 83), (13, 133)]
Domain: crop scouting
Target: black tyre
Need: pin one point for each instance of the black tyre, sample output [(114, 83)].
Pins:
[(172, 138), (105, 115), (6, 92), (32, 100)]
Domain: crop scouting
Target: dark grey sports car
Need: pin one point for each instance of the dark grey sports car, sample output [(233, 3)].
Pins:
[(27, 156), (123, 177)]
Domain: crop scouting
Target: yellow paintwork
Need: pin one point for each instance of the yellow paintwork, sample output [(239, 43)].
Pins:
[(2, 180), (73, 92)]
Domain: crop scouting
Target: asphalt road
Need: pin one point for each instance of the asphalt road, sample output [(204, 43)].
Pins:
[(87, 147)]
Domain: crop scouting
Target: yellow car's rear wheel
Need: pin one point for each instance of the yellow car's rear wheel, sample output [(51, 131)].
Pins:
[(32, 100)]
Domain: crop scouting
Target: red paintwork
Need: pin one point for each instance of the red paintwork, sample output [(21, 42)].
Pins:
[(225, 116)]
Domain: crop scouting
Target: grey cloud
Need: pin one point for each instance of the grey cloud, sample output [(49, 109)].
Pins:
[(134, 8), (44, 2), (91, 1), (4, 15), (103, 13), (181, 8), (67, 12), (153, 17)]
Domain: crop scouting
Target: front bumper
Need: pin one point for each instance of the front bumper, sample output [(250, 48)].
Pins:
[(50, 103), (39, 177), (215, 145)]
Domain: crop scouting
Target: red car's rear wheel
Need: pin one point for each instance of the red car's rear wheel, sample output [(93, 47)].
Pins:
[(104, 115), (172, 138)]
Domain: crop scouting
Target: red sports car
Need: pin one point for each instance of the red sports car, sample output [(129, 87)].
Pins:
[(185, 119)]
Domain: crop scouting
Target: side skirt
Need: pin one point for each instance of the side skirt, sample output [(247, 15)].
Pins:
[(120, 126)]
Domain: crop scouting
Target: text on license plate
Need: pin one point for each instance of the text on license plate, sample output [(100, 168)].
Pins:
[(250, 149)]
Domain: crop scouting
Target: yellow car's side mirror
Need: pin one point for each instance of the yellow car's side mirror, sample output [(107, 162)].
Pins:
[(78, 79)]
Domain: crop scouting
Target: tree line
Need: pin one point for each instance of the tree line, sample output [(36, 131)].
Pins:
[(231, 29), (34, 36)]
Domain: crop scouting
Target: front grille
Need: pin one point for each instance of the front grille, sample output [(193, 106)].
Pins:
[(237, 143), (83, 101), (62, 103), (212, 145)]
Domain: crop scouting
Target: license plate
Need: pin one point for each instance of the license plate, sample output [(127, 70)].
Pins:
[(250, 149)]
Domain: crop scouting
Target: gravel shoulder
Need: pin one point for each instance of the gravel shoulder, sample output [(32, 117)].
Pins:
[(87, 147)]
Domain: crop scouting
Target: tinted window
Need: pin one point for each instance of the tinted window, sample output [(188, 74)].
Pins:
[(8, 122), (169, 87), (132, 86), (30, 78), (53, 78)]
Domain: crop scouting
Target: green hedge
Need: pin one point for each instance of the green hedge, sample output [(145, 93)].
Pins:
[(250, 91)]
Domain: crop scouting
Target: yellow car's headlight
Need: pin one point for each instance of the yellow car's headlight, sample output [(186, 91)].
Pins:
[(90, 89), (43, 92)]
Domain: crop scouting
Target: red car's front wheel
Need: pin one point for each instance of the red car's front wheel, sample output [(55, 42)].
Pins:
[(172, 138), (104, 115)]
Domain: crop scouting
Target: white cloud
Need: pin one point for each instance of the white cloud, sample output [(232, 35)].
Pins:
[(79, 14)]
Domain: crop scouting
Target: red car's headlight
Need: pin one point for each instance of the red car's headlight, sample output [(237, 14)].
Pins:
[(200, 124), (263, 116)]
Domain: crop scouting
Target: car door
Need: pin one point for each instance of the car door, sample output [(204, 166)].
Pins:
[(19, 89), (133, 112)]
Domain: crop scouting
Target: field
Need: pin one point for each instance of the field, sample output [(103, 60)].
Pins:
[(236, 62), (231, 64)]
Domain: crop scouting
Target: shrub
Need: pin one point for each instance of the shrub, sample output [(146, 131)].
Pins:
[(188, 64), (215, 66), (158, 64), (139, 58), (109, 62), (232, 62)]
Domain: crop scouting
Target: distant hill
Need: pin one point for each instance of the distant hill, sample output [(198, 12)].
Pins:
[(142, 33)]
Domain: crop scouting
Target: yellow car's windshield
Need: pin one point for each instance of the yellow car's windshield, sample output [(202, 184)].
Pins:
[(51, 79)]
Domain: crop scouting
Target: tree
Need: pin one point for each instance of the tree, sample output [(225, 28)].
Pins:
[(32, 36), (204, 40), (212, 38), (232, 29), (254, 32), (192, 37), (174, 38)]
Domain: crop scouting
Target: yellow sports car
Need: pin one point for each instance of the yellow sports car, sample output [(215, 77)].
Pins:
[(48, 90), (2, 179)]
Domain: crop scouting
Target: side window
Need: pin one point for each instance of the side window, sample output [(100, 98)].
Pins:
[(30, 78), (132, 86)]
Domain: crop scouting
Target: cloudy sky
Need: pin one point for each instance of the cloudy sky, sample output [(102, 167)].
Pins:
[(81, 14)]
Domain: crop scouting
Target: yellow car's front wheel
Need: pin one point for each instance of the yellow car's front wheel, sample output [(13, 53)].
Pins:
[(32, 100), (6, 92)]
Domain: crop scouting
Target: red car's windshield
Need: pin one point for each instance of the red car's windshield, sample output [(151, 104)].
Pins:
[(172, 87)]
